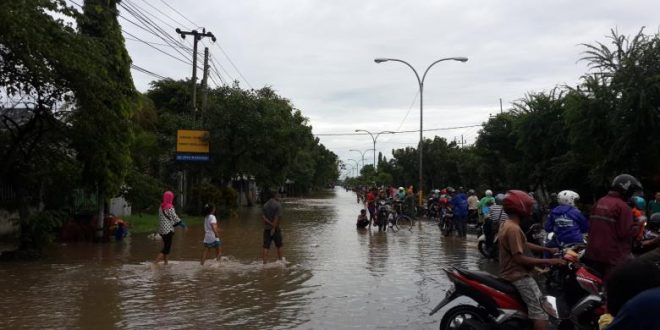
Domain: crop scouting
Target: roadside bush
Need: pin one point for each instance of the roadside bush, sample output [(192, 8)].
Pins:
[(40, 229), (224, 199)]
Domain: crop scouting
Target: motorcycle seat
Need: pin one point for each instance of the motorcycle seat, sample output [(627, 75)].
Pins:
[(490, 280)]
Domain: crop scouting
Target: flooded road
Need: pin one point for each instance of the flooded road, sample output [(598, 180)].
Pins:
[(335, 277)]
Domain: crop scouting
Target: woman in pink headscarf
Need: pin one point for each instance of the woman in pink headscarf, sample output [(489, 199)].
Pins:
[(168, 220)]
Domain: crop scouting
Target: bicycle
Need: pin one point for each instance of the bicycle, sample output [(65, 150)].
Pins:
[(398, 218)]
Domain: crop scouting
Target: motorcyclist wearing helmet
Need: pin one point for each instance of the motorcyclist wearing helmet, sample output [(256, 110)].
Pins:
[(484, 202), (611, 226), (515, 262), (401, 194), (566, 221), (496, 217)]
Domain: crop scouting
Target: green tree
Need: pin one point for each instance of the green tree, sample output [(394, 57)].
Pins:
[(41, 60), (105, 101)]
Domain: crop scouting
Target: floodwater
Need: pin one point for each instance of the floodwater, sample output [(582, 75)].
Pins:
[(334, 277)]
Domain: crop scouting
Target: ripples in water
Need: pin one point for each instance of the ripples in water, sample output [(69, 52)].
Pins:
[(335, 277)]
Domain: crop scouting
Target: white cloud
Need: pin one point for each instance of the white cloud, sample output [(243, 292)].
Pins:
[(319, 54)]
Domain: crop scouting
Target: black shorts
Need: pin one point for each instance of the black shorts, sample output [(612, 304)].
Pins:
[(167, 242), (276, 237)]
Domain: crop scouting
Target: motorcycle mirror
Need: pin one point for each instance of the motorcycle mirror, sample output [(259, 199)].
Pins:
[(549, 305)]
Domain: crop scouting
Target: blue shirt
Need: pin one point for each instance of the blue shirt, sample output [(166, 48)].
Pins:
[(640, 312), (568, 224), (459, 201)]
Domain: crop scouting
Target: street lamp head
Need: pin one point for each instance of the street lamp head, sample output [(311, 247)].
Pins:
[(460, 59), (381, 60)]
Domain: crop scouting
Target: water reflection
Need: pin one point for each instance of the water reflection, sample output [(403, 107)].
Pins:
[(335, 276)]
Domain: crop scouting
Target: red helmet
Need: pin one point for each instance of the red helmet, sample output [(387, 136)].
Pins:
[(518, 202)]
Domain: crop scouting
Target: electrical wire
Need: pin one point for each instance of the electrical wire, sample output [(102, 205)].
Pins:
[(184, 17), (401, 132), (233, 65), (153, 27), (158, 49), (147, 72)]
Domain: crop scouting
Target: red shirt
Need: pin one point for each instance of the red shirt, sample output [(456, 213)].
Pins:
[(611, 230), (371, 197)]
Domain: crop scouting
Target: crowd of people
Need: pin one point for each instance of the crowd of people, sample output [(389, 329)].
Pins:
[(614, 230)]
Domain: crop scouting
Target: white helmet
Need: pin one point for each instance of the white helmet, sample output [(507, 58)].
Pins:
[(567, 197), (489, 193)]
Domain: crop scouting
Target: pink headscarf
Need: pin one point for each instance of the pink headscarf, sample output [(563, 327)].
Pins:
[(168, 197)]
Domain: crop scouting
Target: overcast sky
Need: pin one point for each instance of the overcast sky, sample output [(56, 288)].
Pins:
[(319, 54)]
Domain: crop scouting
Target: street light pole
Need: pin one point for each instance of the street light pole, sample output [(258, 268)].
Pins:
[(351, 171), (374, 139), (357, 166), (421, 107), (362, 154)]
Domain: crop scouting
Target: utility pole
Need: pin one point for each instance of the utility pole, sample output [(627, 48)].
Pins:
[(205, 87), (501, 105), (197, 36)]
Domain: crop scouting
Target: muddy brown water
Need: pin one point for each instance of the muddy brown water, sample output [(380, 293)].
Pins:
[(334, 277)]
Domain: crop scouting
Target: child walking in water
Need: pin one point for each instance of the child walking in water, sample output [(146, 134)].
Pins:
[(211, 233)]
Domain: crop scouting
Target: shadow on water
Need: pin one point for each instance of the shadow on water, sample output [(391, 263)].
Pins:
[(334, 276)]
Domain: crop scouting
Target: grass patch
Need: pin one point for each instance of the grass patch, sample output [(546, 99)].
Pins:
[(148, 223)]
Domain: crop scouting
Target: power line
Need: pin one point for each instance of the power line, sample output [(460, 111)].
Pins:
[(184, 17), (409, 109), (164, 14), (147, 72), (158, 49), (213, 64), (401, 132), (233, 65), (151, 25), (240, 74), (134, 66)]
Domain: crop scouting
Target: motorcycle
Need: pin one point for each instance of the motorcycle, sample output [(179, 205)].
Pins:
[(587, 298), (382, 214), (491, 251), (560, 277), (433, 209), (499, 305)]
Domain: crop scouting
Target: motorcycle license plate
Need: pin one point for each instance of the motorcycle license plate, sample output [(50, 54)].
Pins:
[(448, 298)]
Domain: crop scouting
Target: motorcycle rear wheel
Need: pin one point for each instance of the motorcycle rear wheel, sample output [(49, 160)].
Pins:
[(484, 249), (454, 318)]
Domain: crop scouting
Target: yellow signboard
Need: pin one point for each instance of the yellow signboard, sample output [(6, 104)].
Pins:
[(192, 141)]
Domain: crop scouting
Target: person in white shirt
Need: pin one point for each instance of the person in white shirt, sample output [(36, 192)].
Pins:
[(211, 234)]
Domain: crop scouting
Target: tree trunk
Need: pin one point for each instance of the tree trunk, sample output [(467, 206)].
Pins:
[(101, 215)]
